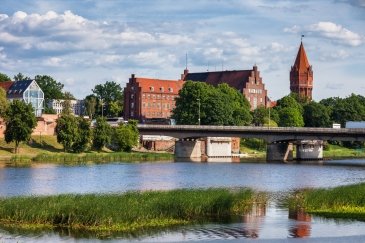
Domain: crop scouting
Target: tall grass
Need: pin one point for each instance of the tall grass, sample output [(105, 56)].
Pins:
[(340, 202), (126, 212)]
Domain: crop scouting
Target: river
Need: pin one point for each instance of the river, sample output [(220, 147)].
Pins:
[(266, 223)]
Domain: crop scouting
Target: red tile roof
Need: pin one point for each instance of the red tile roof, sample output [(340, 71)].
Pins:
[(172, 86), (301, 62), (6, 85)]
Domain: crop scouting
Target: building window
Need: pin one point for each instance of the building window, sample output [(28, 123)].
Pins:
[(148, 96), (254, 103), (151, 88), (132, 88), (132, 96), (132, 114), (162, 89), (144, 96), (132, 105), (154, 97), (171, 90)]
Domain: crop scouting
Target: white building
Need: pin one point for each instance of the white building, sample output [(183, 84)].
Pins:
[(77, 106)]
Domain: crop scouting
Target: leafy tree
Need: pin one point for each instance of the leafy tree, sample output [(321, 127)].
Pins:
[(67, 107), (316, 115), (68, 96), (50, 87), (20, 122), (67, 131), (84, 135), (3, 102), (4, 77), (289, 102), (107, 93), (102, 134), (290, 117), (115, 108), (90, 105), (125, 136), (20, 77), (260, 115), (48, 110), (221, 105)]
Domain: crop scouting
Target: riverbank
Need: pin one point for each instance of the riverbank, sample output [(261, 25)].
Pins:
[(346, 202), (129, 212)]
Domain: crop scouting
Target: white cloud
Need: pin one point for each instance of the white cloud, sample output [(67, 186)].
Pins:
[(337, 33)]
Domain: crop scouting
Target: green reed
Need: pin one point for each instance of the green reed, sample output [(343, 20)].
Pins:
[(125, 212), (340, 202)]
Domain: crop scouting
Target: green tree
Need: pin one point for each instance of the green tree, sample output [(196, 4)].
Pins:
[(90, 105), (125, 136), (115, 108), (220, 105), (260, 115), (20, 122), (84, 135), (107, 93), (67, 131), (102, 134), (50, 87), (4, 77), (3, 102), (290, 117), (20, 77), (316, 115), (68, 96)]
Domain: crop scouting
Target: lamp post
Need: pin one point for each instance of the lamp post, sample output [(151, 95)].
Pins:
[(198, 111)]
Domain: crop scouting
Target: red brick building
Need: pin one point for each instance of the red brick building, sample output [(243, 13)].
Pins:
[(146, 98), (301, 75), (248, 82)]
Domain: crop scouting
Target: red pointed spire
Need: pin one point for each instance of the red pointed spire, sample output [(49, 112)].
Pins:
[(301, 62)]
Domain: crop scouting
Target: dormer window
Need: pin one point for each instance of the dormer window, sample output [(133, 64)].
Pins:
[(152, 89), (161, 89), (171, 90)]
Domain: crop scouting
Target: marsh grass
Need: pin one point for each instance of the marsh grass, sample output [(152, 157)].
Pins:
[(126, 212), (340, 202)]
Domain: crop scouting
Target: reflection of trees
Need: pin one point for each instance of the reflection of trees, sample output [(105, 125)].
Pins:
[(302, 225), (253, 220)]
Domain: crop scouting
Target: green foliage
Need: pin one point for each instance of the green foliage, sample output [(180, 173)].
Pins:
[(67, 131), (316, 115), (260, 115), (20, 122), (20, 77), (221, 105), (48, 110), (290, 117), (84, 135), (102, 134), (127, 212), (125, 136), (90, 105), (3, 102), (254, 143), (50, 87), (4, 77), (67, 107), (73, 133), (68, 96), (106, 94)]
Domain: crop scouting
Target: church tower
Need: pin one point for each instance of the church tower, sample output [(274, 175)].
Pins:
[(301, 75)]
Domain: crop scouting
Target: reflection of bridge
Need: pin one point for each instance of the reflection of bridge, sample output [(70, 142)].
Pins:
[(280, 139)]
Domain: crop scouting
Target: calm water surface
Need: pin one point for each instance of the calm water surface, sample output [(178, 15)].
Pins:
[(263, 223)]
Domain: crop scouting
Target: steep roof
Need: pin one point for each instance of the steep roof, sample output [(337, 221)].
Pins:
[(172, 86), (235, 78), (18, 88), (6, 85), (301, 62)]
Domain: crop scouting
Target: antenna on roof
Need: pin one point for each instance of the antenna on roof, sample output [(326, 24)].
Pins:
[(301, 38)]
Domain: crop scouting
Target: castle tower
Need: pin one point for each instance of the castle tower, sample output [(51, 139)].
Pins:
[(301, 75)]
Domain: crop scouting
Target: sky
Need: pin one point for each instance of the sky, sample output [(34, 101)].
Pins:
[(82, 43)]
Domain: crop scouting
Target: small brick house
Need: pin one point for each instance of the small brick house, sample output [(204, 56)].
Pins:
[(146, 98)]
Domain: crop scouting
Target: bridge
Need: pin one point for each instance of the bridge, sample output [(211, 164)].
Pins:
[(280, 139)]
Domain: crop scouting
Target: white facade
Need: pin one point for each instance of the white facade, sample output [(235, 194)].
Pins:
[(77, 106)]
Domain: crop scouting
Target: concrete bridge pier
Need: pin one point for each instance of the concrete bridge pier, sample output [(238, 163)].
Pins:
[(188, 149), (310, 150), (279, 151)]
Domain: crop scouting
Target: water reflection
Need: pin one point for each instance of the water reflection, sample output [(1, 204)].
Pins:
[(301, 227), (254, 219)]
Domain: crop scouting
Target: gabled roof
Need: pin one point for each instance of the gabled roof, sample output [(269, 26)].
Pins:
[(6, 85), (18, 88), (236, 78), (301, 62)]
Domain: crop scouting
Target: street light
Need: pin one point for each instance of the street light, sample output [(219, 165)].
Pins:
[(198, 111)]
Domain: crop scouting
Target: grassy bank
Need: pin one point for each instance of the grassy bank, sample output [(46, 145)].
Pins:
[(340, 202), (47, 149), (127, 212), (334, 151)]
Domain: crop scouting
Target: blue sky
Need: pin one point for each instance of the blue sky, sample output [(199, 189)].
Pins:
[(82, 43)]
